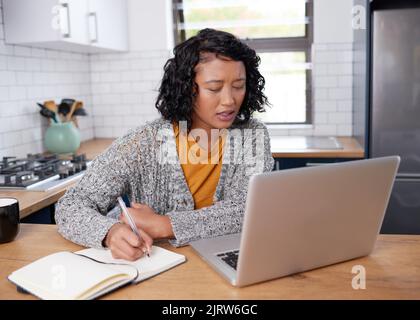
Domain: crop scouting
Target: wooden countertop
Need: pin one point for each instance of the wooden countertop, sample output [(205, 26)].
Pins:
[(392, 272), (32, 201), (350, 149)]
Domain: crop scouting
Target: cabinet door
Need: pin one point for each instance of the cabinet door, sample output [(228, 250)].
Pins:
[(108, 24), (55, 24), (73, 22), (27, 22)]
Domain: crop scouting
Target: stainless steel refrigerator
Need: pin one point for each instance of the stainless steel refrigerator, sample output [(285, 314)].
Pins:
[(394, 124)]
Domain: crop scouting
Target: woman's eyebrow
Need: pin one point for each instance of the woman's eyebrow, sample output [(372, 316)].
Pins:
[(220, 81), (210, 81)]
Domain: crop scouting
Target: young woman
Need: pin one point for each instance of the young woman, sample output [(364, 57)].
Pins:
[(186, 173)]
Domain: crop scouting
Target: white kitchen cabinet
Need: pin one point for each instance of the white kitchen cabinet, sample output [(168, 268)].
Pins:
[(108, 24), (73, 25)]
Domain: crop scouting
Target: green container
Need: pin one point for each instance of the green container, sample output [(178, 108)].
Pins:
[(62, 138)]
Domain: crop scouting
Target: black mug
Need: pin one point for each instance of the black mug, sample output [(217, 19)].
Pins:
[(9, 219)]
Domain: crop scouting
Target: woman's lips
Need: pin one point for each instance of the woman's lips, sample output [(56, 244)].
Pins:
[(226, 116)]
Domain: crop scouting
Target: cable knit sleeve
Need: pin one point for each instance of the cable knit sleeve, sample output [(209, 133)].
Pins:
[(81, 214)]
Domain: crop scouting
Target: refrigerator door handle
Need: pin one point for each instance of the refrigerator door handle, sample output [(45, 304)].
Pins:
[(407, 180), (408, 176)]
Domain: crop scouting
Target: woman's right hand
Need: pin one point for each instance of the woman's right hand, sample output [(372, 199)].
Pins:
[(125, 244)]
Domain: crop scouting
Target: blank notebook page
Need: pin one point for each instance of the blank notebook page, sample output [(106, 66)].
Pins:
[(159, 261)]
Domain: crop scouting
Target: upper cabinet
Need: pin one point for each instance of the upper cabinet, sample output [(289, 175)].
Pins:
[(74, 25), (108, 24)]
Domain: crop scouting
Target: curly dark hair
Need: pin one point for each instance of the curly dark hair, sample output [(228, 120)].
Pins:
[(176, 92)]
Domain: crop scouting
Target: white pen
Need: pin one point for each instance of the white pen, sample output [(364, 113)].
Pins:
[(130, 220)]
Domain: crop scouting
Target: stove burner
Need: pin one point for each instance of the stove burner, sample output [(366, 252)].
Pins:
[(35, 168)]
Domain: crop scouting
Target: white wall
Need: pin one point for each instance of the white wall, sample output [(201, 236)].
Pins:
[(29, 75), (333, 67), (150, 25), (333, 21)]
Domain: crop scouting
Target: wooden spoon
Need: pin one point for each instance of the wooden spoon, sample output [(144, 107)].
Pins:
[(79, 105), (77, 111), (70, 114)]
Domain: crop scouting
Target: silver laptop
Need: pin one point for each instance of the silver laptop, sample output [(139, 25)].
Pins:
[(301, 219)]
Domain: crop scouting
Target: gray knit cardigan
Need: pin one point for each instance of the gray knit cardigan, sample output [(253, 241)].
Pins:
[(144, 165)]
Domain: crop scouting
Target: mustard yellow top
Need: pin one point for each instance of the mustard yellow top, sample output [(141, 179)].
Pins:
[(201, 168)]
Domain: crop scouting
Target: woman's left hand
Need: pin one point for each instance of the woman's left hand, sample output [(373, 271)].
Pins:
[(156, 225)]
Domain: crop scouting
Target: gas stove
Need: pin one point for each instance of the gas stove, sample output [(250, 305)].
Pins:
[(39, 172)]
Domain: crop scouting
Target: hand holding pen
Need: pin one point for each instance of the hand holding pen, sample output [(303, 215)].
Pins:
[(131, 223)]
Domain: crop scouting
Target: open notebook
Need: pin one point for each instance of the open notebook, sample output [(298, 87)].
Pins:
[(89, 273)]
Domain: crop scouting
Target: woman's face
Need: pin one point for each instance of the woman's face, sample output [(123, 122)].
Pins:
[(221, 91)]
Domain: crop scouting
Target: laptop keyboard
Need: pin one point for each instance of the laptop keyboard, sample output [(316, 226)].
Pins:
[(230, 257)]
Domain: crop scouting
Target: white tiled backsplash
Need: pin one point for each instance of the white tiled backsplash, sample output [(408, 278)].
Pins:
[(119, 91), (332, 85), (124, 89)]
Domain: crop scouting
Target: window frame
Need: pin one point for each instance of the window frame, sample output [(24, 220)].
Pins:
[(261, 45)]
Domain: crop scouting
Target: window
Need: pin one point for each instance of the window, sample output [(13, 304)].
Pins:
[(279, 30)]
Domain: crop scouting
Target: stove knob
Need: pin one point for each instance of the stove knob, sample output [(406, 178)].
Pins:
[(8, 178), (40, 174), (70, 169)]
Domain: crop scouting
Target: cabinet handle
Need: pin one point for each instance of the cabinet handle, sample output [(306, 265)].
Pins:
[(65, 17), (93, 27)]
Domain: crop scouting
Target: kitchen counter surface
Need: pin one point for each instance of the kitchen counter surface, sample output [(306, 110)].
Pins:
[(282, 147), (315, 147)]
